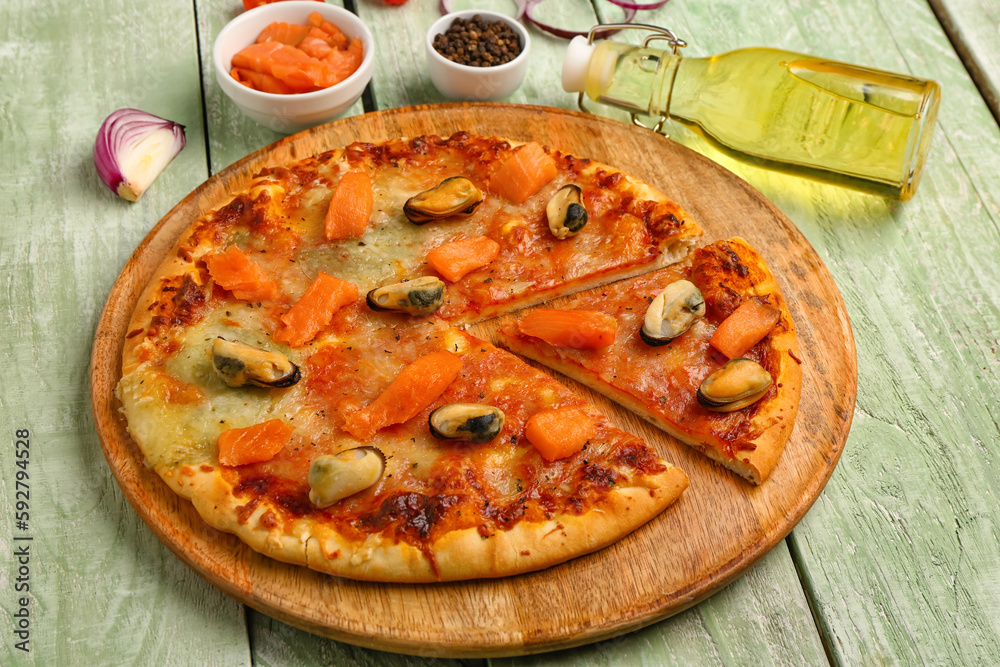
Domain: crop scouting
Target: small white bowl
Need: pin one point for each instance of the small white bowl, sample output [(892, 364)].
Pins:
[(462, 82), (291, 113)]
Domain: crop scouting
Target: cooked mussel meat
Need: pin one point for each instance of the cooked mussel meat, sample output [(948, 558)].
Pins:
[(466, 421), (741, 382), (239, 364), (452, 197), (333, 477), (566, 212), (672, 312), (420, 296)]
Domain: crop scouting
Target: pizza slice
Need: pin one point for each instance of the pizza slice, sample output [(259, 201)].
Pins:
[(705, 350), (500, 225)]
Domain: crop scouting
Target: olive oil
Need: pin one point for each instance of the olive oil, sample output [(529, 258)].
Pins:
[(849, 125)]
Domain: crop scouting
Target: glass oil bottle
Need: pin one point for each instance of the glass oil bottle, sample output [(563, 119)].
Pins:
[(853, 126)]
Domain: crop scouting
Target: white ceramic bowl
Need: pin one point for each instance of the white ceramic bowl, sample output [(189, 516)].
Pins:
[(291, 113), (462, 82)]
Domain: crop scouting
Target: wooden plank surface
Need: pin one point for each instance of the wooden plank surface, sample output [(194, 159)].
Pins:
[(973, 26), (102, 588), (635, 581), (762, 618)]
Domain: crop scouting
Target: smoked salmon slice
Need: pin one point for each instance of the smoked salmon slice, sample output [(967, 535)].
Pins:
[(260, 81), (315, 309), (234, 271), (253, 444), (417, 386), (351, 207), (285, 33), (315, 47), (336, 37), (559, 433), (523, 174), (344, 62), (587, 329), (454, 260), (745, 327)]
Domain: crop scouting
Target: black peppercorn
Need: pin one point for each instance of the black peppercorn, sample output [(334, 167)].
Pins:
[(478, 43)]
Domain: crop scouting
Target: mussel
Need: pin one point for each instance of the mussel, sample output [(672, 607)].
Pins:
[(455, 196), (466, 421), (420, 296), (333, 477), (672, 312), (741, 382), (566, 212), (239, 364)]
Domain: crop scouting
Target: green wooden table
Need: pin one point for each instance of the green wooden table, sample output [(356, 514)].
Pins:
[(898, 562)]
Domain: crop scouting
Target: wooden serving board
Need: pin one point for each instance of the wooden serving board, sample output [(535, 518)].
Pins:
[(719, 527)]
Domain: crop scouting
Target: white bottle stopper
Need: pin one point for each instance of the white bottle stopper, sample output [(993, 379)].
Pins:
[(574, 69)]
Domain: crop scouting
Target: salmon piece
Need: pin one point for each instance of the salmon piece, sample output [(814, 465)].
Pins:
[(344, 63), (315, 309), (298, 70), (256, 57), (454, 260), (314, 47), (285, 33), (260, 81), (587, 329), (234, 271), (559, 433), (523, 174), (417, 386), (337, 39), (744, 328), (351, 207), (287, 63), (319, 33), (253, 444)]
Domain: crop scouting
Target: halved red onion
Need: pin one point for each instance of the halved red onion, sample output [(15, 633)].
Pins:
[(132, 148)]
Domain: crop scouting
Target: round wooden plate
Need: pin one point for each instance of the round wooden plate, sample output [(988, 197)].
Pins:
[(719, 527)]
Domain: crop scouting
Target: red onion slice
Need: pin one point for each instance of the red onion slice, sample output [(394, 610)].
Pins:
[(525, 10), (132, 148), (641, 6), (565, 33)]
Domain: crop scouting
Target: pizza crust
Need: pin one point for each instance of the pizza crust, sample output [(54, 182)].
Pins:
[(458, 555)]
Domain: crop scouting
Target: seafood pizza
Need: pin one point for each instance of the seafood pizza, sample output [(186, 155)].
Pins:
[(297, 367)]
